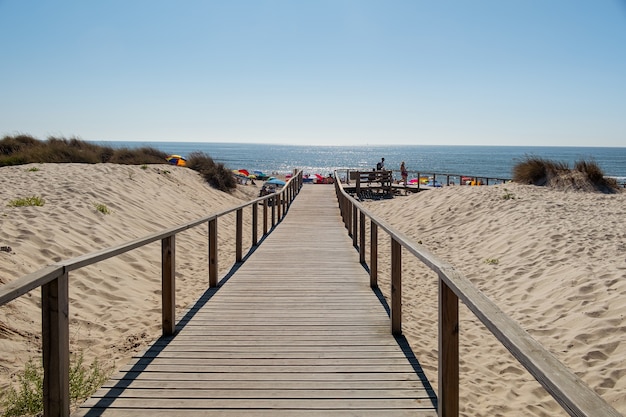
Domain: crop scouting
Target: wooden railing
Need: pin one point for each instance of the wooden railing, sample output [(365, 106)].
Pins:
[(566, 388), (462, 179), (53, 280)]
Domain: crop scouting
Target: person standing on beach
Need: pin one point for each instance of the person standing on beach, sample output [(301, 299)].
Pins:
[(381, 165), (404, 173)]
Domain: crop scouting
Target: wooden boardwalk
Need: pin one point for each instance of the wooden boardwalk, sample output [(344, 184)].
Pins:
[(295, 331)]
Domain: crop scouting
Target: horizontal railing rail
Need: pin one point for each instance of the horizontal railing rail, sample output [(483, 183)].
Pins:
[(463, 179), (565, 387), (54, 282)]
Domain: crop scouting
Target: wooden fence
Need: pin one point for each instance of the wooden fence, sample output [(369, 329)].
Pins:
[(566, 388), (450, 178), (54, 283)]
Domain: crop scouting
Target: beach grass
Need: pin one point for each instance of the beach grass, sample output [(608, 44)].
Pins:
[(585, 176), (26, 202), (25, 149)]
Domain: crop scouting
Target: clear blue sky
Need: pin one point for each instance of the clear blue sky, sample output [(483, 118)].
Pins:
[(458, 72)]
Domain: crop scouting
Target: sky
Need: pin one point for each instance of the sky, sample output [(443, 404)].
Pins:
[(323, 72)]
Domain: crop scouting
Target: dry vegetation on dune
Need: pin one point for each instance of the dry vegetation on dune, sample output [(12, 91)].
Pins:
[(24, 149), (586, 175)]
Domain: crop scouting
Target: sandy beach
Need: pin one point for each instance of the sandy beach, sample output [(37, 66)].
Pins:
[(554, 261), (115, 304)]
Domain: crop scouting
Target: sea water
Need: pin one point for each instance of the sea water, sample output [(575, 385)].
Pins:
[(475, 161)]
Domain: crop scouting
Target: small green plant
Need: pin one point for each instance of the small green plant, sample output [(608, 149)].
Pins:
[(27, 398), (102, 208), (492, 261), (144, 167), (33, 169), (26, 202), (508, 195)]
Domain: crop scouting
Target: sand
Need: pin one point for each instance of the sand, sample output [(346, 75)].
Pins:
[(554, 261), (115, 304)]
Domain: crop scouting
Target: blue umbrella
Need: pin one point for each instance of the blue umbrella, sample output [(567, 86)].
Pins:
[(276, 181)]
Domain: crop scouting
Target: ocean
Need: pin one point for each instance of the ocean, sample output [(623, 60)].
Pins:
[(474, 161)]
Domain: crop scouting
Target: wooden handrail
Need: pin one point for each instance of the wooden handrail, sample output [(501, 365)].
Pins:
[(356, 172), (54, 282), (565, 387)]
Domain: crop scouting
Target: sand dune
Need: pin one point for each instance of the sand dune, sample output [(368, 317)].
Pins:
[(554, 261), (115, 304)]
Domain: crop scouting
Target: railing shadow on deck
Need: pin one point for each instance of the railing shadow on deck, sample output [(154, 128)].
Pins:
[(576, 398), (54, 283)]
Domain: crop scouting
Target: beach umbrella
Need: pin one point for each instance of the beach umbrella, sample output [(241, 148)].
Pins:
[(276, 181), (260, 175), (176, 160), (244, 172)]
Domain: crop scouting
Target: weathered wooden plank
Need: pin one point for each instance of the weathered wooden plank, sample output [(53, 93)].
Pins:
[(277, 376), (412, 386), (353, 412), (176, 391), (273, 403)]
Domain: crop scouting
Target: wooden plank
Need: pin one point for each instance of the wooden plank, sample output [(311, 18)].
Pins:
[(288, 412)]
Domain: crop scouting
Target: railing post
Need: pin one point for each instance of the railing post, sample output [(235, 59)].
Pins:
[(448, 351), (348, 217), (264, 217), (274, 210), (213, 253), (362, 237), (255, 224), (56, 346), (168, 285), (355, 225), (279, 204), (396, 287), (373, 255), (239, 236)]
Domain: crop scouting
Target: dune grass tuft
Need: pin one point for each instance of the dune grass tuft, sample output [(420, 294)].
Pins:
[(216, 174), (586, 175), (27, 202)]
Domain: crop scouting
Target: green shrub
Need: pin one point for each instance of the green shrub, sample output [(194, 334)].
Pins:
[(27, 398), (102, 208), (26, 202)]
